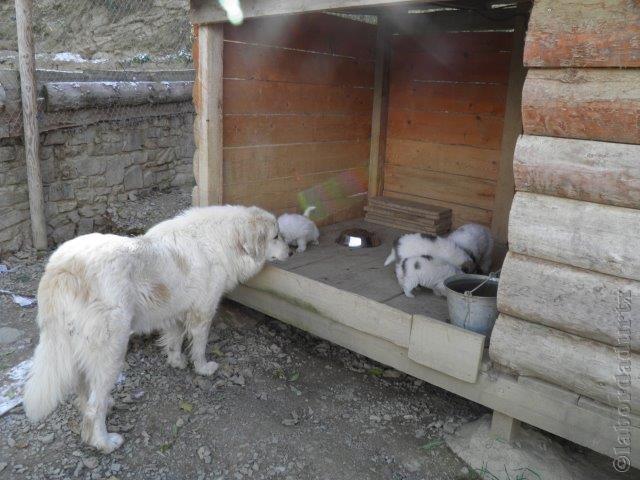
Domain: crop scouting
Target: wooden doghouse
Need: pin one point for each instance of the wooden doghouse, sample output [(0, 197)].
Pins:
[(426, 104)]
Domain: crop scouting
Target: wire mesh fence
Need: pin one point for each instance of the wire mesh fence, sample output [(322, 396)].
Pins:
[(114, 83), (114, 42)]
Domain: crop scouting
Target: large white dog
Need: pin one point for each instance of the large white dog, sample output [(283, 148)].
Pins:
[(99, 289)]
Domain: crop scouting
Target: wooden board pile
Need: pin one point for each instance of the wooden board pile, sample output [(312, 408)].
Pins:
[(407, 215)]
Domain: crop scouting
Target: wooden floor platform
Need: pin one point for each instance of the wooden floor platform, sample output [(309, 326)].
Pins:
[(347, 297), (361, 270)]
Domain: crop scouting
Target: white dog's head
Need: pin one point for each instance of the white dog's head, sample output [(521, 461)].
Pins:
[(261, 239)]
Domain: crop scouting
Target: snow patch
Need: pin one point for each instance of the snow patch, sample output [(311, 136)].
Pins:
[(11, 386), (68, 57)]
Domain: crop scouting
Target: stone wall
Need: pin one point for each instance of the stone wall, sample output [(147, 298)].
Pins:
[(89, 170)]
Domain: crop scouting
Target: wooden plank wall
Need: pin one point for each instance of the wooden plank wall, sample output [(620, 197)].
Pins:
[(446, 113), (570, 287), (297, 110)]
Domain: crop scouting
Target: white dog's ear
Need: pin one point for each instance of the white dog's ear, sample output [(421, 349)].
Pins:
[(254, 238)]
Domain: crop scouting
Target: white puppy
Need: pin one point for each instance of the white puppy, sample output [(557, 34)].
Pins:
[(417, 244), (298, 229), (425, 271), (99, 289), (477, 241)]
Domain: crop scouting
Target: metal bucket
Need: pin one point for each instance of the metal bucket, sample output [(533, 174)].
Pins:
[(472, 302)]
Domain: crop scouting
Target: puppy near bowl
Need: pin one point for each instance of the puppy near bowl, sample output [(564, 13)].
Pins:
[(299, 230)]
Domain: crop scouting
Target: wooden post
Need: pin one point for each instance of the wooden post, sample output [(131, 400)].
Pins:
[(504, 427), (209, 131), (379, 111), (512, 128), (26, 60)]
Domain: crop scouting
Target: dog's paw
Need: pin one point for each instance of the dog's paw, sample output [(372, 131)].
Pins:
[(409, 294), (111, 443), (206, 369), (177, 361)]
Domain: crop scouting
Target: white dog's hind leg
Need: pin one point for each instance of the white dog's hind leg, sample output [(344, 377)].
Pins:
[(198, 328), (302, 245), (171, 341), (101, 372)]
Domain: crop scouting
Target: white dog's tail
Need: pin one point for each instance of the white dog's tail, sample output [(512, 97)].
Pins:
[(308, 211), (391, 258), (54, 371), (51, 377)]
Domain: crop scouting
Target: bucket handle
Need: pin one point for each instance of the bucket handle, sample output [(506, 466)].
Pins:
[(496, 274)]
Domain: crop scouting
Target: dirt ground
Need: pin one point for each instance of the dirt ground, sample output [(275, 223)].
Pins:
[(284, 404)]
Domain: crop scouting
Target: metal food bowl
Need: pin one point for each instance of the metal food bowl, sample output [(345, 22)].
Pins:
[(358, 238)]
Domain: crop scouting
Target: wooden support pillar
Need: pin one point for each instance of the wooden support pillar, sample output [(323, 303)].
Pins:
[(380, 111), (209, 120), (505, 187), (27, 63), (504, 427)]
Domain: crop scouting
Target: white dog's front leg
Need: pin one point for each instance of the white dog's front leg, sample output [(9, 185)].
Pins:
[(198, 328), (171, 341)]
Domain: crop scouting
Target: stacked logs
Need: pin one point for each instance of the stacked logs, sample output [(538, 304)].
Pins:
[(569, 293)]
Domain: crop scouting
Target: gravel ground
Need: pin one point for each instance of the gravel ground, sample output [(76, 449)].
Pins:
[(283, 405)]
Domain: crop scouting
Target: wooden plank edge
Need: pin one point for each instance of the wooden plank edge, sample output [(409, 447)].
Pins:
[(352, 309)]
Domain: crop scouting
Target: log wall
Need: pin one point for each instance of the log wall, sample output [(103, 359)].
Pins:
[(297, 99), (447, 99), (569, 295)]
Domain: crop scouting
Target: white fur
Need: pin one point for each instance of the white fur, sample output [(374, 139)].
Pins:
[(425, 271), (298, 229), (477, 240), (98, 289), (417, 244)]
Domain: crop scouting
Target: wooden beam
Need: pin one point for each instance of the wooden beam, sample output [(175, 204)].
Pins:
[(354, 310), (504, 427), (446, 348), (26, 60), (584, 33), (404, 23), (583, 366), (592, 104), (379, 112), (207, 11), (101, 94), (505, 188), (209, 107), (598, 172), (595, 237), (566, 298)]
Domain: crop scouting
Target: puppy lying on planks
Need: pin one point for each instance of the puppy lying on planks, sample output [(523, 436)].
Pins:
[(298, 230), (425, 271), (99, 289)]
